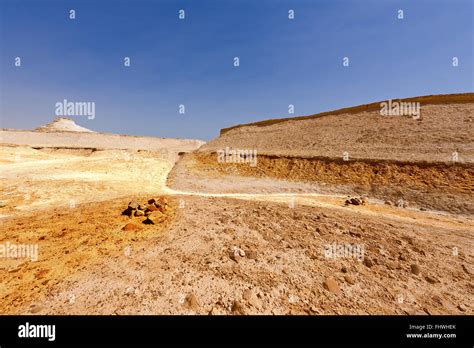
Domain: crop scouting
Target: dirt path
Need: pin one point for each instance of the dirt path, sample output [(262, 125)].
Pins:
[(80, 178)]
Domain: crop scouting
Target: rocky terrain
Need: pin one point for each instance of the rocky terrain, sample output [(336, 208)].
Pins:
[(427, 161), (151, 230)]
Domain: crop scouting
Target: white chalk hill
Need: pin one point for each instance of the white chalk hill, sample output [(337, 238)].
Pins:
[(62, 124)]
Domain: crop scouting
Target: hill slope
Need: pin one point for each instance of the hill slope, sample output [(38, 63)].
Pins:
[(446, 125), (426, 161), (62, 124)]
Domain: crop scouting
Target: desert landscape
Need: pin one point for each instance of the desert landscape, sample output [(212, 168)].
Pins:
[(344, 212)]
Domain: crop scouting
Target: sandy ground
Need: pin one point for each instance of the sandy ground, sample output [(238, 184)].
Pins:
[(96, 141), (215, 252)]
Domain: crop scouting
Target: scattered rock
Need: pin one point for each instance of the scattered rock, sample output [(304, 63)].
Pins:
[(150, 220), (401, 203), (151, 208), (247, 294), (344, 269), (163, 201), (431, 280), (217, 311), (439, 301), (353, 201), (135, 209), (402, 256), (234, 256), (331, 285), (368, 262), (355, 234), (236, 253), (237, 308), (462, 307), (388, 203), (130, 227), (392, 265), (228, 230), (152, 201), (2, 204), (466, 269), (129, 212), (15, 269), (36, 309), (415, 269), (349, 279), (418, 250), (133, 205), (191, 302), (251, 254)]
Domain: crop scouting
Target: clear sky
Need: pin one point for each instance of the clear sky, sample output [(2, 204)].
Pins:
[(190, 61)]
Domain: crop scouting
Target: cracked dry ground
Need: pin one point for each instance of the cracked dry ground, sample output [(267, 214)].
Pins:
[(186, 264)]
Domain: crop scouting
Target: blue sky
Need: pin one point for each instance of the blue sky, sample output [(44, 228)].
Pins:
[(190, 61)]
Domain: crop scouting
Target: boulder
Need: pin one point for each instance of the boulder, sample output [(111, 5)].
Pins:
[(133, 205), (152, 201), (129, 212), (238, 308), (191, 302), (349, 279), (163, 201), (130, 227), (354, 201), (151, 208), (150, 220), (251, 254), (368, 262), (331, 285), (431, 280), (36, 308), (415, 269), (393, 265)]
